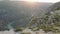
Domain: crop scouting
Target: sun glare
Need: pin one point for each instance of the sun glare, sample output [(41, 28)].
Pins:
[(30, 0), (30, 3)]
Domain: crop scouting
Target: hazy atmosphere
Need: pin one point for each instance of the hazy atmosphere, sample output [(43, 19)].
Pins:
[(29, 16), (51, 1)]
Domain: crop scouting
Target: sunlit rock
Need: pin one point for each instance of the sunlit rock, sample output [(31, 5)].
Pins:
[(28, 31), (7, 32)]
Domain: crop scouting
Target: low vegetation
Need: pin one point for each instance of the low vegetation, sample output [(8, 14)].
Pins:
[(48, 22), (19, 29)]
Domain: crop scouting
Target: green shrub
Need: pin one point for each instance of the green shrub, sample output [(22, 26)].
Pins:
[(26, 33), (18, 29)]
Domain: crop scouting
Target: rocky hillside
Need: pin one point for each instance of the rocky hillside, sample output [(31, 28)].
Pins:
[(48, 22), (54, 7)]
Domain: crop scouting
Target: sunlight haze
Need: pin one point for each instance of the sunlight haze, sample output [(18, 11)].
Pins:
[(52, 1)]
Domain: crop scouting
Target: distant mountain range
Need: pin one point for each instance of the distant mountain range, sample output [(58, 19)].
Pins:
[(19, 13)]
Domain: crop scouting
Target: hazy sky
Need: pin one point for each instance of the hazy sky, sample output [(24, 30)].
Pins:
[(53, 1)]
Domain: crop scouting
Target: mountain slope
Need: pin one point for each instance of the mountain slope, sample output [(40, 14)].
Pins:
[(55, 6), (48, 22), (18, 13)]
